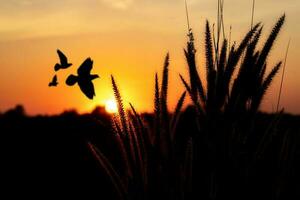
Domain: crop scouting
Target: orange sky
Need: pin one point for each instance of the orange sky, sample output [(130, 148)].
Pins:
[(126, 38)]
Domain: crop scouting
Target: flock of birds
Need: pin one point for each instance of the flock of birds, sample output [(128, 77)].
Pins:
[(83, 78)]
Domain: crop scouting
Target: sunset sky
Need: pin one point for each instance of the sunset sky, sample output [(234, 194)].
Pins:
[(129, 39)]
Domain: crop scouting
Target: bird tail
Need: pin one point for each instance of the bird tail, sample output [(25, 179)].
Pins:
[(57, 67), (94, 76)]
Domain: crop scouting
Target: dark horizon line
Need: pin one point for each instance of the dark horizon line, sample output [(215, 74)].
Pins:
[(98, 109)]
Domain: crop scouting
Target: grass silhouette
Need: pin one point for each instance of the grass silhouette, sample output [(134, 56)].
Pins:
[(228, 154), (220, 146)]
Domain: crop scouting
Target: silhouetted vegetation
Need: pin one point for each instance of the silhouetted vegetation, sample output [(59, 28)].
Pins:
[(49, 155), (219, 147), (226, 150)]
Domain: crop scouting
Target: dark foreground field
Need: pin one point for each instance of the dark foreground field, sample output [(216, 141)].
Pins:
[(46, 156)]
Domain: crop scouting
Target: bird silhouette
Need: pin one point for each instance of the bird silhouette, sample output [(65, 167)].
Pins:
[(84, 78), (54, 82), (63, 61)]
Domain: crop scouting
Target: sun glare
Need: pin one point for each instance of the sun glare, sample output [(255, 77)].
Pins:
[(111, 106)]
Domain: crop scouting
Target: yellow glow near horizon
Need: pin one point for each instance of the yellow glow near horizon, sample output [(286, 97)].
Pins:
[(111, 106)]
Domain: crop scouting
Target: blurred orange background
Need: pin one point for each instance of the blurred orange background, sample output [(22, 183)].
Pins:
[(129, 39)]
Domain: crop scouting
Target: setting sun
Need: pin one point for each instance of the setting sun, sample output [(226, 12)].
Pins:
[(111, 106), (145, 99)]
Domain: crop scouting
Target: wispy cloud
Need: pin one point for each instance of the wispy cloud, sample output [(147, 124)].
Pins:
[(119, 4)]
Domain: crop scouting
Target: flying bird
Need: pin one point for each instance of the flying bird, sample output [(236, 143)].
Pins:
[(63, 61), (84, 78), (54, 82)]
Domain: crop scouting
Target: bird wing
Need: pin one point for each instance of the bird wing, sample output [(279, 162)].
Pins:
[(63, 59), (85, 68), (56, 67), (71, 80), (87, 88), (54, 80)]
